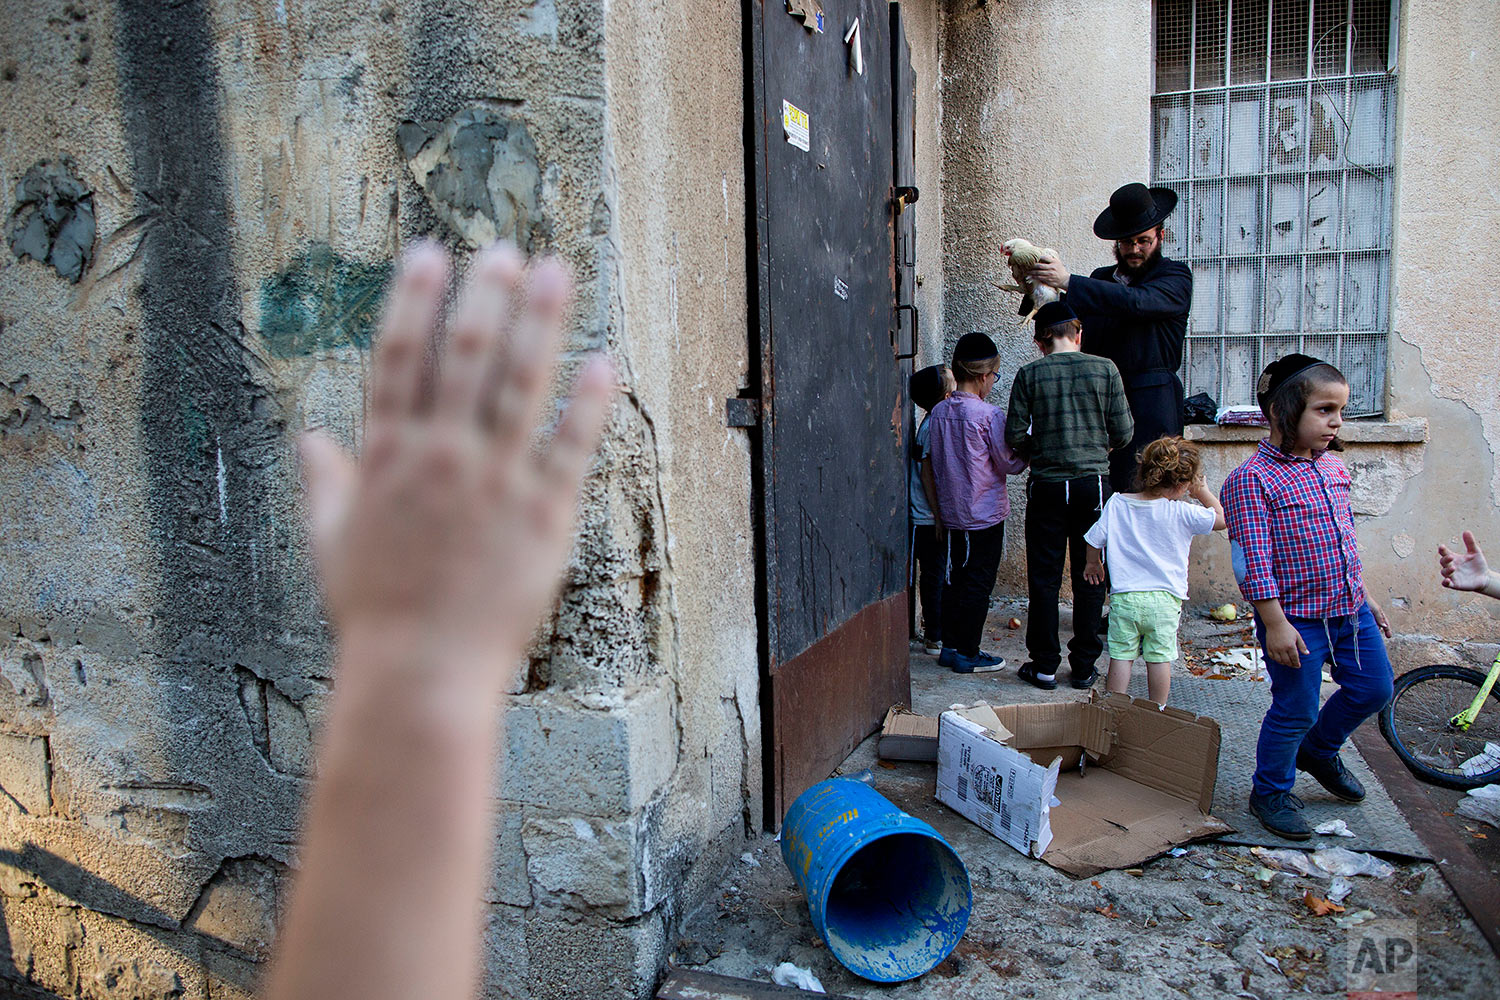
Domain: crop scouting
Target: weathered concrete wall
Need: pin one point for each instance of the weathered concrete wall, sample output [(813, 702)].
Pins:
[(1046, 110), (250, 170), (673, 281), (149, 581), (1443, 386), (924, 21), (1445, 357)]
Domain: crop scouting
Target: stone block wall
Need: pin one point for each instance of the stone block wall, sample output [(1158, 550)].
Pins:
[(202, 202)]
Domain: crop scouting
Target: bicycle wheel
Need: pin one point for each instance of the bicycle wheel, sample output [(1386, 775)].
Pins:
[(1416, 725)]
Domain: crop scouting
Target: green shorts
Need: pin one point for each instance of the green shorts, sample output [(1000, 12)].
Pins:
[(1144, 623)]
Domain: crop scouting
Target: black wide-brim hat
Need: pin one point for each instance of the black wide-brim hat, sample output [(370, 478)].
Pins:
[(1134, 209)]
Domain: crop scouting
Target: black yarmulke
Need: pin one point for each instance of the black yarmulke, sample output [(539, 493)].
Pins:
[(974, 347), (1277, 374), (1053, 313), (926, 386)]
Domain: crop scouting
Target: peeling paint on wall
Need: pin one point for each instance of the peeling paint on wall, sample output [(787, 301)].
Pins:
[(321, 300), (53, 218), (27, 423), (480, 173)]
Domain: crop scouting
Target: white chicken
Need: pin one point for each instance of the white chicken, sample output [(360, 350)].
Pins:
[(1023, 256)]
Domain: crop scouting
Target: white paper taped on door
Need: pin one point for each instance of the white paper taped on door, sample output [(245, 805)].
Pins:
[(795, 123)]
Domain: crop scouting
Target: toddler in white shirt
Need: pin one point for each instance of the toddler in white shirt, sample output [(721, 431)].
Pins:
[(1144, 538)]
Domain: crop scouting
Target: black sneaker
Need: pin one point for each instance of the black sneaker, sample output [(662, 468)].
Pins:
[(981, 663), (1084, 681), (1332, 775), (1029, 674), (1281, 813)]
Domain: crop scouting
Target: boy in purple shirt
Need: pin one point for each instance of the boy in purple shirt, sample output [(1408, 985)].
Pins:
[(970, 461)]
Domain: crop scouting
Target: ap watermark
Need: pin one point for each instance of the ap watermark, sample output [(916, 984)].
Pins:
[(1381, 960)]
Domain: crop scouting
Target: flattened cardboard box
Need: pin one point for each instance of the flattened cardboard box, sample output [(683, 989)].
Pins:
[(1146, 785)]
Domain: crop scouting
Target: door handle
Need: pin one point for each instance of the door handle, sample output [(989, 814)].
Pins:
[(915, 318)]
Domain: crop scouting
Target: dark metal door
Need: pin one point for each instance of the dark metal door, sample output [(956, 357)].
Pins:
[(833, 415), (904, 140)]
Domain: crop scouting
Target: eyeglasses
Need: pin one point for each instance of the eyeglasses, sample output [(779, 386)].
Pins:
[(1144, 240)]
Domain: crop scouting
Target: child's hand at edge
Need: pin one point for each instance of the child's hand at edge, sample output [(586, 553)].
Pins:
[(439, 549), (1093, 567)]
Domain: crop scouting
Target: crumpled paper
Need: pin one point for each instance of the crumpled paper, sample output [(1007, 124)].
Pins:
[(787, 974), (1334, 828)]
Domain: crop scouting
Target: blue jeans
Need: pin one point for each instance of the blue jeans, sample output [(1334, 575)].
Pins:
[(1360, 667)]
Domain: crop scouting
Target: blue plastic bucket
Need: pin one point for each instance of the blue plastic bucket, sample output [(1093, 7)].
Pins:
[(885, 890)]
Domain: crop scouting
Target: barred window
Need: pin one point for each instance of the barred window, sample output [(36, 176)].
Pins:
[(1274, 121)]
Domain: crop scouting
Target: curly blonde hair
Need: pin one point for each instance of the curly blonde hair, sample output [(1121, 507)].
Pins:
[(1167, 463)]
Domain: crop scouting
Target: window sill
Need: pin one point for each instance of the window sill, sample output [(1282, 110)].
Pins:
[(1409, 430)]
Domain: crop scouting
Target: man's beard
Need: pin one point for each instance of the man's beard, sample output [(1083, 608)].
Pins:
[(1146, 265)]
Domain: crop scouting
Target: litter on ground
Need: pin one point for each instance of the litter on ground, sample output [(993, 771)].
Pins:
[(1234, 662), (1334, 828), (1353, 919), (1482, 762), (1330, 861), (787, 974), (1342, 861), (1481, 803)]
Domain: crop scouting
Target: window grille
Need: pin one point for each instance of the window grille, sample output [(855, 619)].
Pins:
[(1274, 121)]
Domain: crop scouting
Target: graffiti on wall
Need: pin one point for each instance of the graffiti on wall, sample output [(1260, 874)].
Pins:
[(321, 300)]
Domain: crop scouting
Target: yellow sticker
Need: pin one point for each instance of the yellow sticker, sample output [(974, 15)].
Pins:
[(794, 122)]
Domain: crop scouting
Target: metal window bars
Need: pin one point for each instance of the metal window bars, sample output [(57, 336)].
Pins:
[(1274, 121)]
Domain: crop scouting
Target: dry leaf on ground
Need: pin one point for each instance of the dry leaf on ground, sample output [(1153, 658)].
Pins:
[(1320, 906)]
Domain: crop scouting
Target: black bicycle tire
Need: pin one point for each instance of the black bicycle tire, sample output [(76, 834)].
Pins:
[(1410, 679)]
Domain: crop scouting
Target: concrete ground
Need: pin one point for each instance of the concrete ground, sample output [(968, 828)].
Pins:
[(1213, 922)]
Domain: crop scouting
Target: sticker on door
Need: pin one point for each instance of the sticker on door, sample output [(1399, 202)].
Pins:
[(794, 122)]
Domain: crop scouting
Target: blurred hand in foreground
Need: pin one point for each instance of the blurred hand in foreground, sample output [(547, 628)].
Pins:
[(451, 530), (439, 549)]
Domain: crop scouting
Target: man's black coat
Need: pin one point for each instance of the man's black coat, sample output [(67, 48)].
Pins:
[(1141, 328)]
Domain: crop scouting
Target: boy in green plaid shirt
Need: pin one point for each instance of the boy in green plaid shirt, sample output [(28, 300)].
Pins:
[(1067, 412)]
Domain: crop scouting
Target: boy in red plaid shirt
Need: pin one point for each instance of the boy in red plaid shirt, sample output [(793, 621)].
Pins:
[(1291, 531)]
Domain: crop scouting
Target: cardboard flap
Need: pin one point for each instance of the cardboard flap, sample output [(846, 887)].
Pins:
[(985, 716), (1058, 724), (1108, 821), (1167, 750)]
